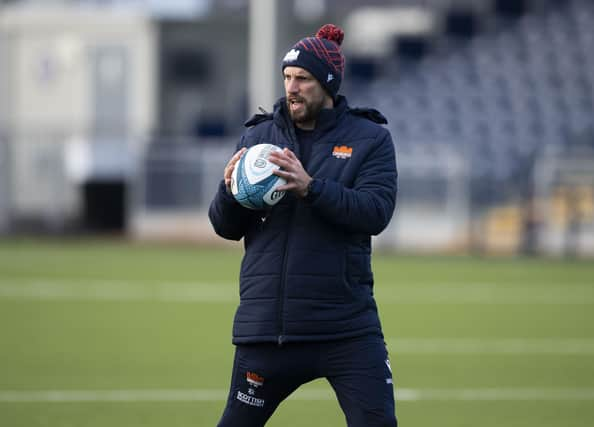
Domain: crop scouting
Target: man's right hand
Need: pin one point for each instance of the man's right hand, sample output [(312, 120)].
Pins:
[(230, 166)]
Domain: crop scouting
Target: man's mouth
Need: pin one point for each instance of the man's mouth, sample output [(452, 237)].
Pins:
[(295, 104)]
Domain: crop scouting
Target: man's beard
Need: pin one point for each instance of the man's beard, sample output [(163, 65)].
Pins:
[(309, 110)]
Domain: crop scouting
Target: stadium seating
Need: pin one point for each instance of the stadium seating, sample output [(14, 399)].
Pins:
[(500, 97)]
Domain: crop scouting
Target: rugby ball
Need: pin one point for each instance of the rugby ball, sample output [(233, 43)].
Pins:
[(252, 182)]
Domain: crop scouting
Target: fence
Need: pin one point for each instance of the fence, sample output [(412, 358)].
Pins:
[(4, 184), (164, 188)]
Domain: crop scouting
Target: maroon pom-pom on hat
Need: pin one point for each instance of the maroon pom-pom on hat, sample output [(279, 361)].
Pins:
[(321, 55), (331, 32)]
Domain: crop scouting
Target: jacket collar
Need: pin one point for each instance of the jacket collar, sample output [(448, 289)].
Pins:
[(327, 119)]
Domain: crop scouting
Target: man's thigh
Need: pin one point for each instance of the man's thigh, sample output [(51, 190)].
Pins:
[(360, 373), (263, 376)]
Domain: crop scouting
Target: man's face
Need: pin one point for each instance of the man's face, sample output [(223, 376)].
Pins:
[(305, 97)]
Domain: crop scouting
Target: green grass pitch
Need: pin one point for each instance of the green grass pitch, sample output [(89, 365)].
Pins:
[(112, 333)]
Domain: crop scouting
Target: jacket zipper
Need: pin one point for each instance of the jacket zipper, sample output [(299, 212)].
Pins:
[(281, 291), (292, 137)]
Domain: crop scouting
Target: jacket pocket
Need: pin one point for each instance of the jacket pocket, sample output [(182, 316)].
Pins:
[(358, 271), (317, 274), (350, 281)]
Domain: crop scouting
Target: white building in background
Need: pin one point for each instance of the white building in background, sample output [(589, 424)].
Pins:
[(83, 87), (78, 96)]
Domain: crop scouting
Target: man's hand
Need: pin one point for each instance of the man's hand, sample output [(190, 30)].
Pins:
[(292, 171), (230, 166)]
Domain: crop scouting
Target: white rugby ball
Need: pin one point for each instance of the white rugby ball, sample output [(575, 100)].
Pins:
[(252, 182)]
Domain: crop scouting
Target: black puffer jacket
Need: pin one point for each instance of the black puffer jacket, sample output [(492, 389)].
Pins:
[(306, 273)]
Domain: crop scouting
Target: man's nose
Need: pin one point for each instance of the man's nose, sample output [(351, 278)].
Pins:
[(292, 86)]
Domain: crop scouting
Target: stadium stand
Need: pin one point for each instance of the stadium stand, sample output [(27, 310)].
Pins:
[(500, 97), (490, 103)]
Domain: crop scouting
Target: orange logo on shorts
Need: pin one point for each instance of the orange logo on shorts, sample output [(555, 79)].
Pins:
[(254, 379)]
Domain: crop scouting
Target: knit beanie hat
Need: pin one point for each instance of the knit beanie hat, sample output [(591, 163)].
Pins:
[(321, 56)]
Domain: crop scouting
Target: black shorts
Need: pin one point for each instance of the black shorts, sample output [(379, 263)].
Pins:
[(358, 369)]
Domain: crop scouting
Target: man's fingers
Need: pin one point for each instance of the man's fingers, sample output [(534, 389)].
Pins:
[(231, 165), (286, 159), (235, 158), (286, 153), (283, 174), (290, 154), (283, 163), (281, 160), (286, 187), (238, 155)]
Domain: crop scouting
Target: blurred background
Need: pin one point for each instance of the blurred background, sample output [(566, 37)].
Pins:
[(117, 116)]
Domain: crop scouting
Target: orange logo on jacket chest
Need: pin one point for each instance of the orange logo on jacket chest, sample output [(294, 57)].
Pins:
[(342, 152)]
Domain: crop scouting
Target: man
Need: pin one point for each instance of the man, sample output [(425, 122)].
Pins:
[(306, 288)]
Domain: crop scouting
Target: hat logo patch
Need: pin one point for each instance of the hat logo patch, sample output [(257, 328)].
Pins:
[(291, 55), (330, 77)]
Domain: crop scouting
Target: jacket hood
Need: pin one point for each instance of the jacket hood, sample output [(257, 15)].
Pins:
[(327, 119)]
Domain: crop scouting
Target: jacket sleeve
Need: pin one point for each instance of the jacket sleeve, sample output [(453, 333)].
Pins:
[(368, 206), (229, 219)]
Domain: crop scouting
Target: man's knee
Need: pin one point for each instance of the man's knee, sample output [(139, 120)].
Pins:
[(389, 421), (238, 414), (373, 419)]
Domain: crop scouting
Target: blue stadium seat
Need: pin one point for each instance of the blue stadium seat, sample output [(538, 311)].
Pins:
[(506, 93)]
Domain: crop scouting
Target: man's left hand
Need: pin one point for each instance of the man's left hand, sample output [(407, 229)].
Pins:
[(292, 171)]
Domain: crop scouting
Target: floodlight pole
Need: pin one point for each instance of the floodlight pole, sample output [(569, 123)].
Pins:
[(263, 68)]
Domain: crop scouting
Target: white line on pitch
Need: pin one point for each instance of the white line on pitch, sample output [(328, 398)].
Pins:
[(93, 290), (211, 395), (111, 395), (494, 394), (491, 346), (120, 291), (488, 294)]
